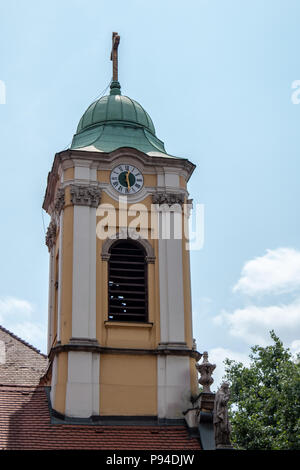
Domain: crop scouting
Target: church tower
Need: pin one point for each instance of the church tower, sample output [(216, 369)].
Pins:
[(120, 339)]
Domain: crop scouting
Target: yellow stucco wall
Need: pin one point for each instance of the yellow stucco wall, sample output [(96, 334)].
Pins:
[(68, 174), (67, 270), (128, 385), (61, 384), (55, 307)]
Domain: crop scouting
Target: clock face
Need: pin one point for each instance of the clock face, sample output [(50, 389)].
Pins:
[(126, 179)]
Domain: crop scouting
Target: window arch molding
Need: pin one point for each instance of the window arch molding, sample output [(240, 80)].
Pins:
[(105, 254), (127, 281)]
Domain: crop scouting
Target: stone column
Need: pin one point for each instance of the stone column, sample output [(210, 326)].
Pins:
[(82, 395), (173, 370), (86, 200), (169, 210)]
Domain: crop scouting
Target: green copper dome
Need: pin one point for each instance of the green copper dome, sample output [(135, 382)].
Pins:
[(115, 108), (116, 121)]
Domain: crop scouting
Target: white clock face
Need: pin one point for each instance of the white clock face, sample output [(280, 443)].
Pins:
[(126, 179)]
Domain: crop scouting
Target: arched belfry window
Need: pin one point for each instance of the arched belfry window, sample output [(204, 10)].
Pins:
[(127, 282)]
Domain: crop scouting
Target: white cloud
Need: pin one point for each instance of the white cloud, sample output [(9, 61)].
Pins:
[(218, 355), (295, 347), (31, 332), (253, 323), (276, 272), (12, 307), (17, 316)]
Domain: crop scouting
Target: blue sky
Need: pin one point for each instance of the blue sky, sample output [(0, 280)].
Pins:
[(216, 77)]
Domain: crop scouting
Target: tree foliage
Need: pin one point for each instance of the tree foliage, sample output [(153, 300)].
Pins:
[(265, 399)]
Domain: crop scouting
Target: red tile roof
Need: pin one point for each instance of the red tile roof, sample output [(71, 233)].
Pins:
[(22, 363), (5, 330), (25, 423)]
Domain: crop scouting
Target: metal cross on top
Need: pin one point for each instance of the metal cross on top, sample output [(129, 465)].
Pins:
[(114, 55)]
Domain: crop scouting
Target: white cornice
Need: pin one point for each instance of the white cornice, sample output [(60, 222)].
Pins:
[(159, 165)]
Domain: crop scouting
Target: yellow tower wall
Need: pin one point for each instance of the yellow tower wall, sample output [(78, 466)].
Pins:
[(141, 382), (128, 385)]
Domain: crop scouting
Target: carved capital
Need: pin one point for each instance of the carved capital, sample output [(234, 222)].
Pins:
[(168, 198), (85, 195), (51, 234), (59, 203)]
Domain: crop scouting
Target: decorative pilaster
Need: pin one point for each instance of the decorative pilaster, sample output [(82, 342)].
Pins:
[(82, 392), (169, 223), (173, 371), (85, 199)]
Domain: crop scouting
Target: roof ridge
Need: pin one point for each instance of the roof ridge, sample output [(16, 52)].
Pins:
[(22, 341), (21, 387), (134, 107)]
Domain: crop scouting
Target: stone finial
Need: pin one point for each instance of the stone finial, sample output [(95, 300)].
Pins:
[(85, 195), (51, 234), (222, 426), (205, 370)]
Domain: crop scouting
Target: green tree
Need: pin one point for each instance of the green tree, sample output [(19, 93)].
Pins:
[(265, 399)]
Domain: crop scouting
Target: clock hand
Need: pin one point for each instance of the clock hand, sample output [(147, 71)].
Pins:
[(127, 179)]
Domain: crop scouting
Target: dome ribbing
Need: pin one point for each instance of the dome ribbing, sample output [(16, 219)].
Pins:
[(115, 108)]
